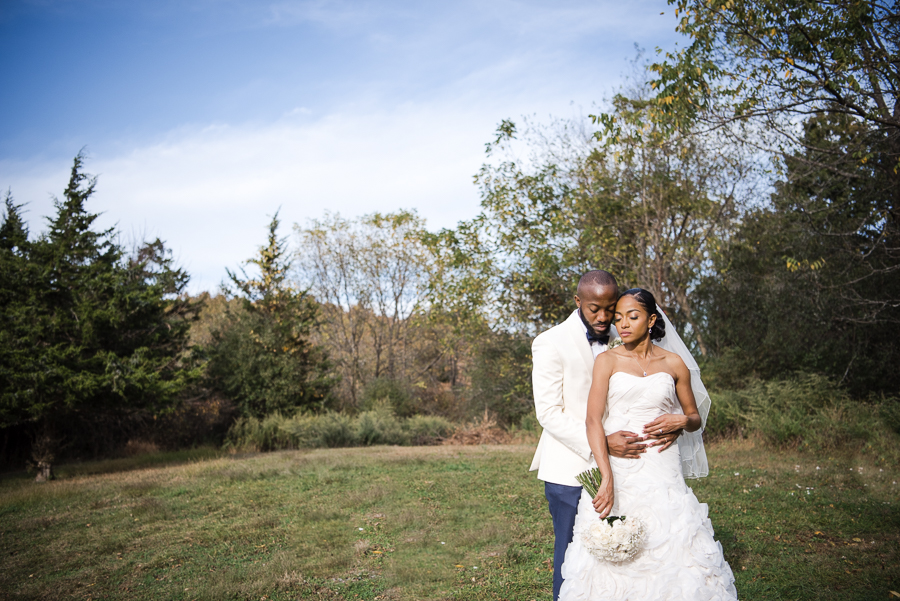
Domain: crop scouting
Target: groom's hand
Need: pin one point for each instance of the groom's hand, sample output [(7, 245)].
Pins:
[(625, 445)]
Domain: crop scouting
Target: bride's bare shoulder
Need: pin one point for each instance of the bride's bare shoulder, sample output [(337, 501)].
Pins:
[(614, 354), (672, 360), (606, 362), (664, 353)]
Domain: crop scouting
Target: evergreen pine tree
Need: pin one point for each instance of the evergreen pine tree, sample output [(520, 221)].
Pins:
[(18, 285), (98, 337), (263, 360), (13, 231)]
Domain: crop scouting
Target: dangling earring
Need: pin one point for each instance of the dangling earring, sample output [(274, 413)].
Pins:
[(650, 331)]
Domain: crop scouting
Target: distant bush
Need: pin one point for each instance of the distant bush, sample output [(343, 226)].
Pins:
[(379, 427), (266, 434), (384, 392), (332, 429), (728, 415), (427, 429), (889, 412), (806, 411), (327, 430)]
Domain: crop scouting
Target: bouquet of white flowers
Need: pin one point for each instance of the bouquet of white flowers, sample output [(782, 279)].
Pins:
[(614, 538)]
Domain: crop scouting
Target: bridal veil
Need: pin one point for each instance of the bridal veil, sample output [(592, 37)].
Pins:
[(690, 444)]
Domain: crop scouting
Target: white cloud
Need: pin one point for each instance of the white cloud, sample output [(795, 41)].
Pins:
[(208, 191)]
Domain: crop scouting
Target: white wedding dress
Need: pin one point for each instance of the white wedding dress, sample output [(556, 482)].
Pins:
[(681, 559)]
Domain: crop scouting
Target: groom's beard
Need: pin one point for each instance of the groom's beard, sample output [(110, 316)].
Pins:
[(594, 331)]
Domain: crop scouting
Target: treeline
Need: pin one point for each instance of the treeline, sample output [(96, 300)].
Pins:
[(93, 338), (377, 336), (750, 180), (104, 352)]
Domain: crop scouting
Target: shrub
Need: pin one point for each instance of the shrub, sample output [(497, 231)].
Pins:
[(807, 411), (327, 430), (383, 392), (728, 415), (530, 423), (332, 429), (427, 429), (379, 427), (527, 431), (266, 434), (889, 412), (783, 410)]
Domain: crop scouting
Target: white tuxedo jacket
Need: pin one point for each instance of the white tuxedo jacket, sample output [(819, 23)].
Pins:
[(563, 365)]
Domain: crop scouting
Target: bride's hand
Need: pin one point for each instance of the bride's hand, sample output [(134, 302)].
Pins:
[(665, 424), (603, 502)]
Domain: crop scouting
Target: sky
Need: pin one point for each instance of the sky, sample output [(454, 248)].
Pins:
[(202, 118)]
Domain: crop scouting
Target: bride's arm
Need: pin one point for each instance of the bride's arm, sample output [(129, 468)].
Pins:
[(596, 407), (690, 421)]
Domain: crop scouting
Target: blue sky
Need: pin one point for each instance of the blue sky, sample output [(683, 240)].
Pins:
[(202, 117)]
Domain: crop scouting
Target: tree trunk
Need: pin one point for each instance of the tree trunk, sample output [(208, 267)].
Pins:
[(43, 452), (44, 472)]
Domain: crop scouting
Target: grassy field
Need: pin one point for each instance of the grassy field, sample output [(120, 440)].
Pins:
[(413, 523)]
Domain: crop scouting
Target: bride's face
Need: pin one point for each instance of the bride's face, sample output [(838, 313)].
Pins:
[(632, 321)]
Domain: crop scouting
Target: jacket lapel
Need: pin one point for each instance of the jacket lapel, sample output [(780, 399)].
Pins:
[(576, 333)]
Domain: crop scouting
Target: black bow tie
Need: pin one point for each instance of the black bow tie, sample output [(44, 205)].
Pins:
[(591, 335), (601, 338)]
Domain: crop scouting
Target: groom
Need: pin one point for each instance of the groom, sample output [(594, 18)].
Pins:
[(563, 363)]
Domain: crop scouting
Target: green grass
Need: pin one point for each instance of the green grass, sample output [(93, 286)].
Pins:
[(445, 522)]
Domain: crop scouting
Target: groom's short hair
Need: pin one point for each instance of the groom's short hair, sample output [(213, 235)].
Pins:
[(598, 278)]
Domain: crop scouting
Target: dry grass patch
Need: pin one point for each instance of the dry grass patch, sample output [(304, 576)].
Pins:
[(481, 431)]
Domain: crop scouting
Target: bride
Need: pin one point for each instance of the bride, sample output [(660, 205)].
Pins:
[(640, 385)]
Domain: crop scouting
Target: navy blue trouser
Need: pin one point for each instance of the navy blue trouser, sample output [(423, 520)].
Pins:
[(563, 501)]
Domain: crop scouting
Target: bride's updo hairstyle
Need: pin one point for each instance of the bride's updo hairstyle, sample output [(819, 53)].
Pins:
[(648, 302)]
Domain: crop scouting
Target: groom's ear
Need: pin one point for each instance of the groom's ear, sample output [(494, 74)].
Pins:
[(577, 301)]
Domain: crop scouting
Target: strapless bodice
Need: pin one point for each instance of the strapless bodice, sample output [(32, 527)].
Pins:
[(633, 401)]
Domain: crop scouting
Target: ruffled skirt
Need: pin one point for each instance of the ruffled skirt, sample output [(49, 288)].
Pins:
[(681, 559)]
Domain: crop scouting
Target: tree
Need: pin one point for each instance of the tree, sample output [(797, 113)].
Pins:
[(814, 262), (371, 276), (751, 59), (18, 280), (91, 334), (648, 205), (13, 231), (263, 358), (768, 71)]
